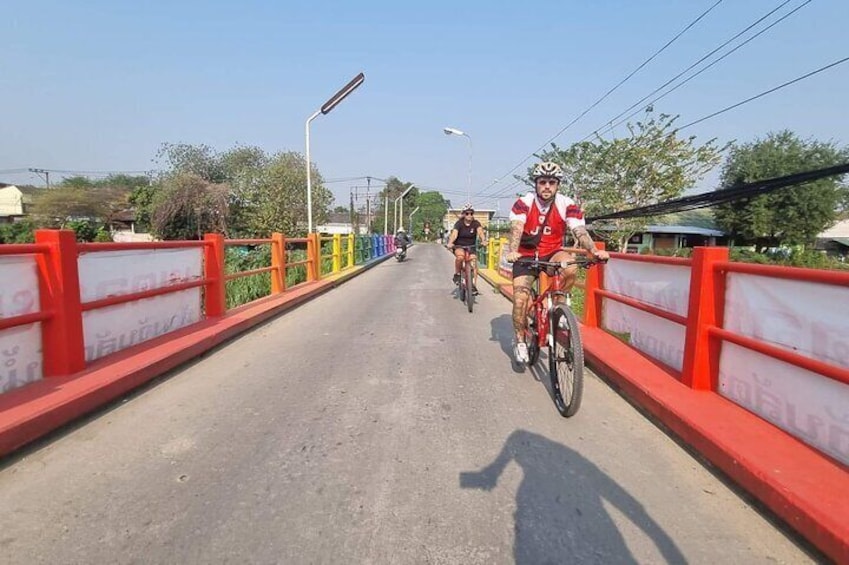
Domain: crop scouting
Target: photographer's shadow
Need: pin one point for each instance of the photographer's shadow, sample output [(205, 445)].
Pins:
[(560, 515), (501, 331)]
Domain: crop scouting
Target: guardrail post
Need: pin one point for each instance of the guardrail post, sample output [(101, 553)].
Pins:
[(337, 252), (350, 250), (314, 257), (707, 303), (63, 345), (490, 254), (592, 300), (215, 302), (278, 261)]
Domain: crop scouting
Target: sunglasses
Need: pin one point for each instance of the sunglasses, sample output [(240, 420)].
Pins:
[(468, 213), (550, 182)]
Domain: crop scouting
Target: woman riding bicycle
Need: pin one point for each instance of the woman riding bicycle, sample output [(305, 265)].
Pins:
[(465, 234), (538, 223)]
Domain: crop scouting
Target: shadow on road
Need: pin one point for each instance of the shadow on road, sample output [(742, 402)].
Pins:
[(560, 512), (501, 330)]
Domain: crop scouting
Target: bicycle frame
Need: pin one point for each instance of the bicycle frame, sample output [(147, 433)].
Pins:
[(545, 301), (547, 289)]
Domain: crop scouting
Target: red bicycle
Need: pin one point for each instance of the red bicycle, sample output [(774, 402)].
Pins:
[(552, 324)]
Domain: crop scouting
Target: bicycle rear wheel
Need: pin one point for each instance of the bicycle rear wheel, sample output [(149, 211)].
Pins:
[(566, 361), (470, 295)]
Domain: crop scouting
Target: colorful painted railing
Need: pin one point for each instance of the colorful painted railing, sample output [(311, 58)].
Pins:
[(65, 304)]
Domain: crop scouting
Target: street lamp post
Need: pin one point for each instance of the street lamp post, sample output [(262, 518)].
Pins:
[(325, 109), (395, 202), (410, 223), (455, 131)]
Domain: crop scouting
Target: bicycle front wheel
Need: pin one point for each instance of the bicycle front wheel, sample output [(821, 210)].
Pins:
[(533, 332), (470, 295), (566, 361)]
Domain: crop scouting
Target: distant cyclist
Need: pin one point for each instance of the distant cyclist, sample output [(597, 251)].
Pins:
[(467, 232), (538, 223)]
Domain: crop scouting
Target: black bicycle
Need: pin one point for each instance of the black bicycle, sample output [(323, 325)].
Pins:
[(465, 286), (552, 324)]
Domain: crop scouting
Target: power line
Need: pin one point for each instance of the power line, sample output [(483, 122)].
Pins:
[(609, 92), (694, 75), (764, 93), (624, 80), (685, 71), (72, 172), (602, 130), (725, 195)]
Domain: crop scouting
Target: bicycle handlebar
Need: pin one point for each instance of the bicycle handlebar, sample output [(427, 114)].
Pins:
[(583, 262)]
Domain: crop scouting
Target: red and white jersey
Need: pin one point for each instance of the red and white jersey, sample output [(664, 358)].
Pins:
[(545, 226)]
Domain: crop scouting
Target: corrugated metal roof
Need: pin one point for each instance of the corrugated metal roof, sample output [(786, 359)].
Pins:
[(683, 230)]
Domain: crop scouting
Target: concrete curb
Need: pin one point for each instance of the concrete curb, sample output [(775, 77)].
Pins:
[(32, 411), (806, 489)]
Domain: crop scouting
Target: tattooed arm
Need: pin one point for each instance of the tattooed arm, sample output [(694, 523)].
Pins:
[(584, 241), (516, 228)]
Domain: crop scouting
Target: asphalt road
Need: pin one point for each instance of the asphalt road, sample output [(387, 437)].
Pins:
[(378, 423)]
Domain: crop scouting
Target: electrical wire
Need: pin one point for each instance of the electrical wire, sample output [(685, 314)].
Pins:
[(764, 93), (609, 92), (685, 71), (694, 75)]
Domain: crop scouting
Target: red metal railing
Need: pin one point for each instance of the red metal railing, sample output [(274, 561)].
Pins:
[(834, 278), (30, 317), (61, 307)]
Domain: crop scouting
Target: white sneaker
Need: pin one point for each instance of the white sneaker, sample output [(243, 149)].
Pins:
[(520, 352)]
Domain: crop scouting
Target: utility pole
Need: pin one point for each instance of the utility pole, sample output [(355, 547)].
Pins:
[(352, 214), (368, 204), (44, 172)]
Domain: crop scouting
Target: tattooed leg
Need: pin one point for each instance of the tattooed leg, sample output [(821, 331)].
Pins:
[(521, 303)]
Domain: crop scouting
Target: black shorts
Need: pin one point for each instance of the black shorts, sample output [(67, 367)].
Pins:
[(521, 269)]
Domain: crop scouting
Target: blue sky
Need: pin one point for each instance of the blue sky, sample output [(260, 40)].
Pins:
[(98, 86)]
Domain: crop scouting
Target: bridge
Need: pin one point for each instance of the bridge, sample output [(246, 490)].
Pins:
[(363, 415)]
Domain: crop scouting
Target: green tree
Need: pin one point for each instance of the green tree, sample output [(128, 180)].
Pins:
[(432, 208), (57, 207), (793, 215), (188, 206), (275, 199), (394, 188), (652, 164), (265, 193), (199, 160)]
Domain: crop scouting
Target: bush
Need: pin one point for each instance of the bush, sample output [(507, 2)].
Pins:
[(85, 230), (682, 252), (247, 289), (18, 232), (103, 235), (797, 257)]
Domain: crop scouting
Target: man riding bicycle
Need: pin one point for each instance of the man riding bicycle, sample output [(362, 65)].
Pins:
[(538, 223), (466, 233)]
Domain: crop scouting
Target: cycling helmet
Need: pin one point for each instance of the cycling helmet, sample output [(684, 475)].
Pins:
[(468, 208), (547, 169)]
